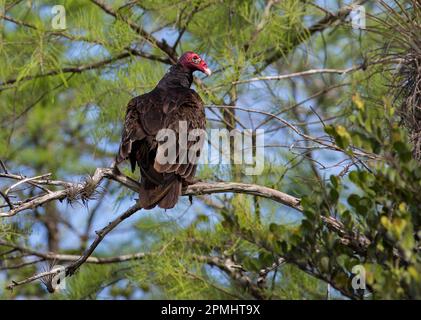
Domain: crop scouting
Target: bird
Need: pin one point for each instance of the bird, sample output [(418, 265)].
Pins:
[(171, 103)]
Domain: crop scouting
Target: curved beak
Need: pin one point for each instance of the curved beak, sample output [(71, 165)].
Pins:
[(207, 71)]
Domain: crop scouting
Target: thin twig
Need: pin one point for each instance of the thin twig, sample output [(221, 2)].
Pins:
[(6, 198), (3, 166)]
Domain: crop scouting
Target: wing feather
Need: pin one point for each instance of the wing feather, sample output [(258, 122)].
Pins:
[(189, 109), (146, 115)]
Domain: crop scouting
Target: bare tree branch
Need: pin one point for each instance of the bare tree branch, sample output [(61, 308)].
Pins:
[(236, 272), (6, 198), (74, 266), (71, 257), (77, 69), (354, 240), (307, 137), (3, 166), (70, 270), (200, 188), (300, 74), (362, 66)]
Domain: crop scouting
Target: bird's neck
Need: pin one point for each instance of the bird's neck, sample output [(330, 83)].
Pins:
[(176, 76)]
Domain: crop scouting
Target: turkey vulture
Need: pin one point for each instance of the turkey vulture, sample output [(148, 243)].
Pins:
[(168, 105)]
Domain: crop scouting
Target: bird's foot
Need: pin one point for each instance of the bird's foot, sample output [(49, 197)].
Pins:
[(191, 181)]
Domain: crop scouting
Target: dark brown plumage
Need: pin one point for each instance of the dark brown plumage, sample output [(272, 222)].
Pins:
[(170, 102)]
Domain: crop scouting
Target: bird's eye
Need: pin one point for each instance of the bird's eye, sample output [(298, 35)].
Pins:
[(196, 59)]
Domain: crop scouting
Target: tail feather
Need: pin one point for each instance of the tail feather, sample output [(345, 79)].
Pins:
[(171, 197), (165, 196)]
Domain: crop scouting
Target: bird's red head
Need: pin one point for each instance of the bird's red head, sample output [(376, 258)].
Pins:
[(193, 62)]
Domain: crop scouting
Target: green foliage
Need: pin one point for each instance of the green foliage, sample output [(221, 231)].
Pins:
[(90, 283), (381, 204)]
